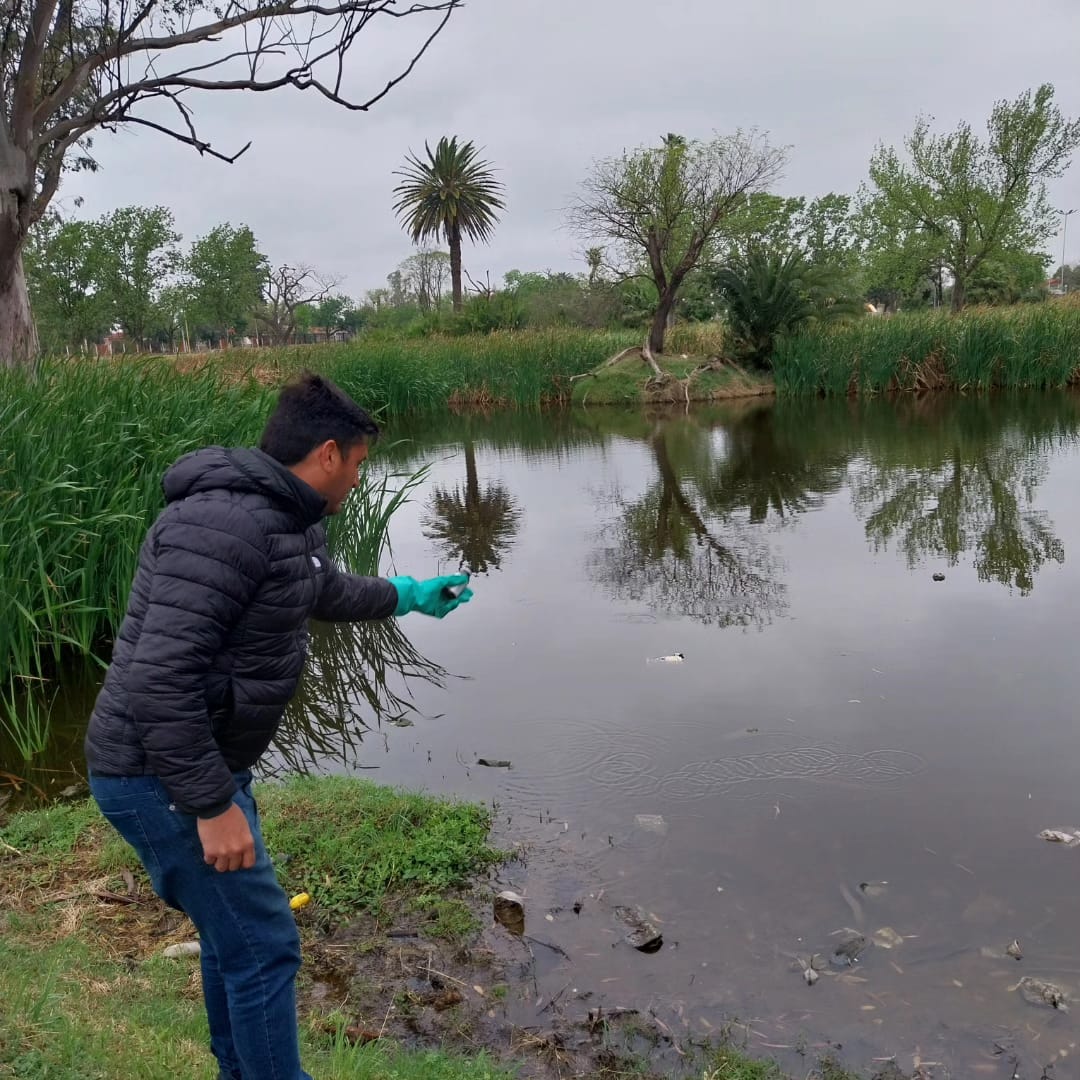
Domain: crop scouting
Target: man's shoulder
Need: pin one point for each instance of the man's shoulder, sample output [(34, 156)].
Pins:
[(241, 514)]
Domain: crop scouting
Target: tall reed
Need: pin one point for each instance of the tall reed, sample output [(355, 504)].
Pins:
[(83, 448), (1036, 346)]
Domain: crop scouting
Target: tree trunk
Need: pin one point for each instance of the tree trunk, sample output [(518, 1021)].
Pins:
[(18, 334), (660, 321), (959, 292), (455, 265)]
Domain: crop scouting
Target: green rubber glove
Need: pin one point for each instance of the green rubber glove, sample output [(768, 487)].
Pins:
[(431, 596)]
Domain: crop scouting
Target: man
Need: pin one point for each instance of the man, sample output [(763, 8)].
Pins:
[(208, 655)]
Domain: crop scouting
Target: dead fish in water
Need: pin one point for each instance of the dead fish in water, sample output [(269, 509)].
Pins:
[(673, 658)]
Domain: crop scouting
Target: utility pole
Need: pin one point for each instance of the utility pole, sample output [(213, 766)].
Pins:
[(1065, 215)]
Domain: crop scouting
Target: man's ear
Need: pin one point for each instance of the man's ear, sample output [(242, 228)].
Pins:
[(327, 455)]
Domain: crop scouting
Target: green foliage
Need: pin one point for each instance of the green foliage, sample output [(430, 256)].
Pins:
[(351, 842), (224, 276), (960, 201), (450, 195), (1034, 346), (63, 263), (659, 207), (770, 295), (139, 254)]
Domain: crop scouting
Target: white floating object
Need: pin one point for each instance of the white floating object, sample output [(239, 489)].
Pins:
[(673, 658)]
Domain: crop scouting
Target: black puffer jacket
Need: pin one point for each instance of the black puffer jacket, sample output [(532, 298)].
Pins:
[(215, 636)]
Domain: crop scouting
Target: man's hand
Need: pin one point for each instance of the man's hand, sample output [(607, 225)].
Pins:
[(227, 841)]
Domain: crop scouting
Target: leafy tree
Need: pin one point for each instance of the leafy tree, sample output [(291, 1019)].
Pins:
[(1010, 278), (139, 255), (225, 272), (424, 276), (960, 200), (68, 69), (450, 195), (63, 270), (660, 206), (770, 294)]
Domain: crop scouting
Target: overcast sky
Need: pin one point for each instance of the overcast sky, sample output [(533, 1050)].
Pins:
[(546, 86)]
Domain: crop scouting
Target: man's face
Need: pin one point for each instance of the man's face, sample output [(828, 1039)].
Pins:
[(342, 474)]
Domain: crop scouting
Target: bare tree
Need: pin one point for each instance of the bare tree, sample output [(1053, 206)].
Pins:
[(658, 207), (285, 290), (70, 67)]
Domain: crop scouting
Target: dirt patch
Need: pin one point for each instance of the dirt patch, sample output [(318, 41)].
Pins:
[(373, 981)]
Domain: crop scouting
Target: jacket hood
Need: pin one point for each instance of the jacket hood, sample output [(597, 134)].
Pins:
[(216, 468)]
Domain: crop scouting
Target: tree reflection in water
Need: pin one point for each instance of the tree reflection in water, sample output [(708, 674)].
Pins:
[(947, 478), (358, 677)]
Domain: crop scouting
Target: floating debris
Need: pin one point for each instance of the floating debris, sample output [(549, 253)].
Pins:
[(1015, 951), (673, 658), (641, 933), (651, 823), (873, 889), (1040, 992), (1069, 837), (887, 938), (939, 577), (494, 763)]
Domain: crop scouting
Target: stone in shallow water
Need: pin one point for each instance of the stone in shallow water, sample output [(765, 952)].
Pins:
[(509, 910), (640, 932), (848, 949)]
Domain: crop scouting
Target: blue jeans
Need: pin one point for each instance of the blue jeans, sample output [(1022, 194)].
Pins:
[(250, 947)]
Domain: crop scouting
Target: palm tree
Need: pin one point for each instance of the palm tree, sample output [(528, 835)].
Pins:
[(450, 194), (770, 294)]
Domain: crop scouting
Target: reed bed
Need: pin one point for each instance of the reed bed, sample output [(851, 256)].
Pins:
[(401, 375), (1026, 347), (83, 448)]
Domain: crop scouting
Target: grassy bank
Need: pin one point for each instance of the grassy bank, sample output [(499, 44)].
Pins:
[(86, 992), (693, 378), (1036, 347), (400, 375), (88, 995)]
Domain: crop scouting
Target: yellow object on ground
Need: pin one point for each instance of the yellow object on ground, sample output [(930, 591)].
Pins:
[(299, 900)]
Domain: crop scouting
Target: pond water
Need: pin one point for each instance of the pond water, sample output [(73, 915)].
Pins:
[(846, 743)]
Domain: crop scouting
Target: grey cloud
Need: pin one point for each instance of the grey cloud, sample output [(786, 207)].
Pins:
[(546, 86)]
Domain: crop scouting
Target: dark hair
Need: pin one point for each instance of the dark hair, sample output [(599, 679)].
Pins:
[(310, 411)]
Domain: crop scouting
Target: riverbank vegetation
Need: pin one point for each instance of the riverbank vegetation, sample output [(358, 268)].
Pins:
[(398, 890)]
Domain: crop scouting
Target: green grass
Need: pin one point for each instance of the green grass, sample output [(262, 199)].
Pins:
[(1024, 347), (351, 843), (86, 997)]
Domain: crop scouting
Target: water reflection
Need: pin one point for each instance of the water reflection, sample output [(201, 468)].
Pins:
[(673, 549), (473, 526), (951, 478), (357, 678)]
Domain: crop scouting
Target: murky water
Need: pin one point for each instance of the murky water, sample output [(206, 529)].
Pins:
[(846, 743)]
